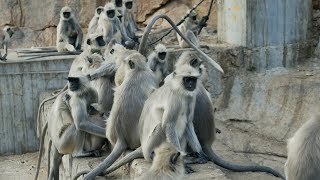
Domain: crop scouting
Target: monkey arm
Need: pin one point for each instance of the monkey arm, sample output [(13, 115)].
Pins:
[(80, 118), (170, 116), (192, 138), (152, 63), (79, 37), (107, 69)]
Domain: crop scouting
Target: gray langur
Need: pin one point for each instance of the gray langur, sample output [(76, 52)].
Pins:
[(110, 27), (167, 164), (69, 33), (303, 161), (128, 21), (115, 55), (129, 98), (5, 36), (94, 21), (204, 125), (167, 117), (118, 6), (68, 127), (95, 44), (187, 28), (157, 61), (103, 85)]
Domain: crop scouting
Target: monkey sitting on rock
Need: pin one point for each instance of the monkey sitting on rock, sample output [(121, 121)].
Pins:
[(69, 33), (69, 129), (5, 36)]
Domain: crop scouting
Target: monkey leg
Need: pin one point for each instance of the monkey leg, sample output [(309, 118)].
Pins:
[(118, 149), (54, 167)]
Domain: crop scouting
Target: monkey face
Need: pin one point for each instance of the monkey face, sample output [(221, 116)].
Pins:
[(162, 55), (118, 3), (129, 4), (189, 82), (66, 15), (111, 13), (100, 41), (99, 10), (9, 31), (74, 83), (194, 17)]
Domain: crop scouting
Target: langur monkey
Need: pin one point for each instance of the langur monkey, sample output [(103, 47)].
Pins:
[(118, 6), (69, 33), (204, 125), (303, 161), (109, 26), (157, 62), (167, 164), (5, 37), (187, 28), (94, 21), (122, 124), (128, 22), (103, 85), (69, 128), (95, 44)]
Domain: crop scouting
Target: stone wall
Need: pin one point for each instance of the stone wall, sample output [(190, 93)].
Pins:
[(37, 19)]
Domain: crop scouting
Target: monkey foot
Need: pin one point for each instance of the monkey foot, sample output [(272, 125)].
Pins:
[(196, 158), (188, 169)]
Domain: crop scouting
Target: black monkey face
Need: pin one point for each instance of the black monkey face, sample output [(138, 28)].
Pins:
[(129, 5), (100, 41), (111, 13), (118, 3), (99, 10), (162, 55), (66, 15), (10, 32), (74, 83), (189, 82)]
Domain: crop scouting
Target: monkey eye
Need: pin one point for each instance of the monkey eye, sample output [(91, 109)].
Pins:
[(111, 13), (128, 5), (112, 51)]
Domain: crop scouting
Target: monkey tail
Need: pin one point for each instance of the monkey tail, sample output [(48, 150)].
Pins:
[(236, 167), (128, 158), (41, 149), (44, 101)]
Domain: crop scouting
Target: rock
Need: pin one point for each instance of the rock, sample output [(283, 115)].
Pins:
[(145, 8)]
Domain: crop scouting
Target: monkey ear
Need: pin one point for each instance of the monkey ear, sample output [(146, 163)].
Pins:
[(89, 42), (174, 158), (131, 64)]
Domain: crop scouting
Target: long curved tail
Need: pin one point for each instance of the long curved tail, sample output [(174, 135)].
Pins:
[(43, 134), (236, 167), (128, 158)]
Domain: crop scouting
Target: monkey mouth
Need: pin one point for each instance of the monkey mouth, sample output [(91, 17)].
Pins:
[(190, 83), (128, 5), (66, 15), (162, 55), (111, 13)]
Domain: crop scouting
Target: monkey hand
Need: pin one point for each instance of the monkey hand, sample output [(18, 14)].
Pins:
[(203, 22)]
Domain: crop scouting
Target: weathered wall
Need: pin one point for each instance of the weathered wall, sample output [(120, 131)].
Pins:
[(38, 19)]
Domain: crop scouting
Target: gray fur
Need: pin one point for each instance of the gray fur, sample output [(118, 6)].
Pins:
[(122, 124), (69, 128), (5, 36), (128, 21), (187, 28), (69, 33), (303, 161), (157, 65)]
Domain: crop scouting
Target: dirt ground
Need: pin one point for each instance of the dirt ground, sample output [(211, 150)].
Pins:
[(16, 167)]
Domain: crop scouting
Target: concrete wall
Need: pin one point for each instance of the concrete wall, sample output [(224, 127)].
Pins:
[(256, 23), (21, 85)]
